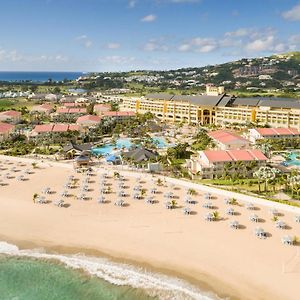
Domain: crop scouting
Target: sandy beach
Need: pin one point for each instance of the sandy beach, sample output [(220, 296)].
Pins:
[(233, 263)]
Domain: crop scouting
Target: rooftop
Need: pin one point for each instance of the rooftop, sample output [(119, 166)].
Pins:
[(227, 137), (5, 127), (277, 131), (234, 155)]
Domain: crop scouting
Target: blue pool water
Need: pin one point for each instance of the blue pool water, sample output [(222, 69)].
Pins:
[(293, 160), (126, 144)]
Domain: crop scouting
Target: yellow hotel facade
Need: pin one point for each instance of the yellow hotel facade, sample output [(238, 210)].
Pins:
[(215, 107)]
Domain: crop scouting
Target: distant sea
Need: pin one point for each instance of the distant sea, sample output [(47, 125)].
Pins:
[(38, 76)]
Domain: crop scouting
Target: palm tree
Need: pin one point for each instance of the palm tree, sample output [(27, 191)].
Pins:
[(274, 219), (233, 201), (216, 215), (266, 174), (35, 195), (159, 181), (295, 240), (143, 192), (173, 204), (116, 174), (192, 192)]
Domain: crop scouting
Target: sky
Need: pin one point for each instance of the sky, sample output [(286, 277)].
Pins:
[(122, 35)]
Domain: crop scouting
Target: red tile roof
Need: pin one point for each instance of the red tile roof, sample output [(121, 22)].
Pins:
[(60, 127), (43, 128), (217, 155), (234, 155), (102, 107), (277, 131), (91, 118), (226, 137), (5, 127), (11, 113), (119, 113), (64, 110), (55, 128), (74, 127)]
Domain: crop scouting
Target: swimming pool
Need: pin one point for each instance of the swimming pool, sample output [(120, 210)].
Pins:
[(294, 159), (126, 143)]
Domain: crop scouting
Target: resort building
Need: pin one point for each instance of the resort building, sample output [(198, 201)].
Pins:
[(273, 133), (70, 111), (53, 128), (88, 120), (211, 164), (43, 109), (10, 116), (99, 109), (119, 115), (215, 107), (226, 140), (5, 130)]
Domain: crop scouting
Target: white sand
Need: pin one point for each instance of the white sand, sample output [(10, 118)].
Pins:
[(232, 262)]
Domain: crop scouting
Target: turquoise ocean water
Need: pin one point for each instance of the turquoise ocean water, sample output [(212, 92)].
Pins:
[(36, 275)]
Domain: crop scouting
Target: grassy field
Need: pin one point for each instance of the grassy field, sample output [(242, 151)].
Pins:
[(16, 103)]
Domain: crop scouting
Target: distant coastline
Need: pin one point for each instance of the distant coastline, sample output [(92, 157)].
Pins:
[(37, 77)]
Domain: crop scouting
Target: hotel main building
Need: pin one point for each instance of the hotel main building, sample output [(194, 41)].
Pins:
[(215, 107)]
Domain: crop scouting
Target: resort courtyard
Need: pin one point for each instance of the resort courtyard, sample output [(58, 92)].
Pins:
[(200, 232)]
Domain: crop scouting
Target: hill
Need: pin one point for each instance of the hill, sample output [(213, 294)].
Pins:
[(276, 74)]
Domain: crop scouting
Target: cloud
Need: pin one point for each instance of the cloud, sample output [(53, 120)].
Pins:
[(84, 41), (116, 60), (149, 18), (158, 44), (113, 46), (240, 32), (293, 14), (132, 3), (15, 57), (198, 44)]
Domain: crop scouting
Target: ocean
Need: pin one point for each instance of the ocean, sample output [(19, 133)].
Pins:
[(36, 275), (38, 76)]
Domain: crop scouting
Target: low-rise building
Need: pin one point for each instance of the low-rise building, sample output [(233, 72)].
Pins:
[(44, 109), (227, 140), (273, 133), (119, 115), (211, 164), (88, 120), (5, 130), (66, 110), (52, 128), (10, 116), (99, 109)]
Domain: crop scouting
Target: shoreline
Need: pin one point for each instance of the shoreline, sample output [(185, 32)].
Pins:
[(201, 283), (209, 255)]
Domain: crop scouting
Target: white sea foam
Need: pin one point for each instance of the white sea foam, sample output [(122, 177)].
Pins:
[(161, 286)]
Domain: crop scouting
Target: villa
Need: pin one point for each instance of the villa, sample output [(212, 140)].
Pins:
[(10, 116), (99, 109), (66, 111), (5, 130), (273, 133), (88, 120), (49, 128), (226, 140), (119, 115), (212, 164), (44, 108)]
